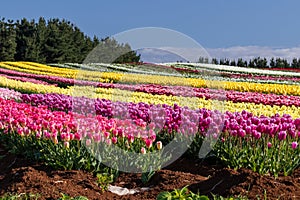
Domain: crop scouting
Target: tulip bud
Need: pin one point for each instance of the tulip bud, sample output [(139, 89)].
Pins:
[(143, 150), (67, 144), (159, 145), (106, 134), (114, 140), (108, 142), (55, 140), (88, 142), (269, 144)]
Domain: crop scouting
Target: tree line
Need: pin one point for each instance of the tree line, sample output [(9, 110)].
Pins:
[(257, 62), (53, 41)]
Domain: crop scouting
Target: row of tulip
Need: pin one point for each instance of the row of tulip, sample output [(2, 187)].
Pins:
[(28, 87), (235, 76), (237, 69), (10, 94), (60, 81), (24, 79), (262, 77), (27, 67)]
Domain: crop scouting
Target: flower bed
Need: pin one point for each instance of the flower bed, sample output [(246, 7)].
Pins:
[(97, 134)]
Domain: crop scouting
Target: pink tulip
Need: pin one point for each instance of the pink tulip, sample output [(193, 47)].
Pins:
[(115, 132), (71, 136), (88, 142), (108, 141), (114, 140), (153, 136), (130, 138), (106, 134), (148, 143), (97, 138), (269, 144), (65, 137), (46, 134), (77, 136), (121, 133), (215, 135), (20, 131), (151, 126)]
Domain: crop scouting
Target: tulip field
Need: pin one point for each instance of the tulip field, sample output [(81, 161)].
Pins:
[(61, 114)]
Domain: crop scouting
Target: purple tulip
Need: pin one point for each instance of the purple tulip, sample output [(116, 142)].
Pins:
[(256, 134), (282, 135), (294, 145), (241, 133)]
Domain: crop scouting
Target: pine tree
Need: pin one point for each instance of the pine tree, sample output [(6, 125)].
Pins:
[(27, 41), (272, 63), (7, 40)]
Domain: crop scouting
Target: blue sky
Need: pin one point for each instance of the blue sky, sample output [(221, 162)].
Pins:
[(215, 24)]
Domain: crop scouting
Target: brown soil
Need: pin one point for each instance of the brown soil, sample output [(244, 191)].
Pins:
[(18, 175)]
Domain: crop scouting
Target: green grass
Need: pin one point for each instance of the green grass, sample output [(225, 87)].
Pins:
[(21, 196)]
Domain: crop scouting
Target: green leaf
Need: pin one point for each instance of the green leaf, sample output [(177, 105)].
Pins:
[(80, 198), (202, 197), (164, 196)]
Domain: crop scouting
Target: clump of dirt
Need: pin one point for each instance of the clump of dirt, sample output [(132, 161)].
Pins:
[(18, 175)]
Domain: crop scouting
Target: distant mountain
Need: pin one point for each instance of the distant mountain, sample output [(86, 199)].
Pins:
[(154, 55)]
